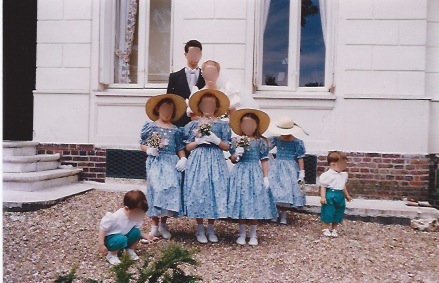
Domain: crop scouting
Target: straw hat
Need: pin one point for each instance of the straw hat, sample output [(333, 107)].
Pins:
[(284, 127), (179, 103), (235, 120), (222, 98)]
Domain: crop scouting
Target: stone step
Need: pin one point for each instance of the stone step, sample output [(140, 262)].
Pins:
[(19, 148), (30, 201), (30, 163), (35, 181), (381, 211)]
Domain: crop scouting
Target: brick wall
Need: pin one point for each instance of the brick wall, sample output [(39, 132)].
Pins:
[(86, 156), (385, 176), (371, 175)]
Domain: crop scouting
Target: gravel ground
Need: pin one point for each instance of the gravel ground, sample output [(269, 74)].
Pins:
[(39, 245)]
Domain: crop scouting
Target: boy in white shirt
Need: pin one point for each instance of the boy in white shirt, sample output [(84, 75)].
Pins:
[(333, 192), (121, 229)]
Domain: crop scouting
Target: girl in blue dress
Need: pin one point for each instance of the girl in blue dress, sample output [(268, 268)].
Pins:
[(163, 143), (250, 198), (206, 178), (287, 170)]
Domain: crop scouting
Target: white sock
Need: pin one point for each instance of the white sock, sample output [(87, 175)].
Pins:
[(154, 229), (242, 231), (253, 230), (283, 214), (162, 225), (200, 229), (210, 229)]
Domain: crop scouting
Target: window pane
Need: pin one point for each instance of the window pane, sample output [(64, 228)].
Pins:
[(159, 41), (275, 47), (312, 46), (126, 45)]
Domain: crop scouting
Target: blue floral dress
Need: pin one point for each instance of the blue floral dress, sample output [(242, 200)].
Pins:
[(248, 197), (206, 176), (163, 181), (283, 172)]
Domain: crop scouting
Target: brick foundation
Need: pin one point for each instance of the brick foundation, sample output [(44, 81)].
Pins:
[(371, 175), (385, 176), (85, 156)]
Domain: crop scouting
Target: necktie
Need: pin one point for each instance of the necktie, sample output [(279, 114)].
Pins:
[(192, 79)]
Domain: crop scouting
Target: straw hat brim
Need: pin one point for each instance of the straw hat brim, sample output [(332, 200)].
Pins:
[(275, 130), (222, 98), (235, 120), (179, 103)]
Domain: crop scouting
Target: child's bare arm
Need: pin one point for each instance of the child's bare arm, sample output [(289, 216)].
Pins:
[(181, 153), (143, 147), (346, 194), (101, 245), (322, 195), (301, 164), (264, 164), (224, 146), (234, 159), (191, 146)]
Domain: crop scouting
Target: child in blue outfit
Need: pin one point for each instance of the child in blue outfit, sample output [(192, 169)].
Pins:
[(249, 198), (333, 193), (287, 169), (163, 143), (121, 230), (206, 178)]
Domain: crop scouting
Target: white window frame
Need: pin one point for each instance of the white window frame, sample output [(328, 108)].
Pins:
[(107, 46), (294, 54)]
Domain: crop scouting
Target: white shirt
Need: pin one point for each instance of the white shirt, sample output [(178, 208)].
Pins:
[(188, 73), (118, 223), (333, 179)]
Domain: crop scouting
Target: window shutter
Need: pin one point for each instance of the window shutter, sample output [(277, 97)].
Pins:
[(106, 41)]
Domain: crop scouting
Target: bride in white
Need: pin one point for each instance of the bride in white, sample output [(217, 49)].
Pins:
[(211, 74)]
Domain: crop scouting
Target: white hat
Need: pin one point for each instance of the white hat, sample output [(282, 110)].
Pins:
[(285, 127)]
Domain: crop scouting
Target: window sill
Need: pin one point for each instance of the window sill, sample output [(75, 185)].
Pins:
[(387, 97), (144, 92), (302, 95)]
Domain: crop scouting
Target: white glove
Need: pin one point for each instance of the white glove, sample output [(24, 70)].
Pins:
[(302, 176), (266, 182), (181, 164), (212, 138), (239, 151), (201, 140), (152, 151)]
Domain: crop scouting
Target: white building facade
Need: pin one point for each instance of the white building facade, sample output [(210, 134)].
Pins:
[(378, 101)]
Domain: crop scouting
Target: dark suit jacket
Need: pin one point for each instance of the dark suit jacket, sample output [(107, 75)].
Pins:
[(178, 85)]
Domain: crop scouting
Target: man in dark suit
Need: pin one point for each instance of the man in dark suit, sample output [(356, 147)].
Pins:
[(181, 82)]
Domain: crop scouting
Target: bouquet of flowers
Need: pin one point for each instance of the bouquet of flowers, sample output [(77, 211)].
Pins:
[(156, 141), (203, 129), (242, 141)]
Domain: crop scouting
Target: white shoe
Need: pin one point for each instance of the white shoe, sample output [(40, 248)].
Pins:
[(283, 221), (156, 234), (327, 233), (112, 259), (274, 220), (132, 254), (201, 237), (334, 234), (212, 238), (241, 240), (163, 230), (253, 241)]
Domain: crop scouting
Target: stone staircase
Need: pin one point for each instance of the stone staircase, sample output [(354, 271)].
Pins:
[(34, 180)]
